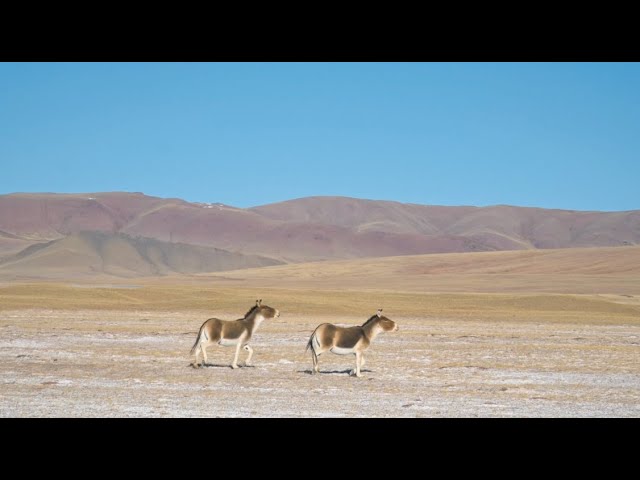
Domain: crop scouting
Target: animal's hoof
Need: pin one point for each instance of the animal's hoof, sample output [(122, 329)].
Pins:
[(234, 366), (352, 373)]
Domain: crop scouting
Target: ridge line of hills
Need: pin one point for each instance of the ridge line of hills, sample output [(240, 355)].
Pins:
[(37, 232)]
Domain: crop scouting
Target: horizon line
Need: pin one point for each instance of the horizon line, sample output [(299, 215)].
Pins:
[(127, 192)]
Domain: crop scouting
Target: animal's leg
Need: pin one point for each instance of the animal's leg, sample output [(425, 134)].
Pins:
[(314, 357), (315, 344), (357, 369), (235, 358), (195, 362), (362, 360), (247, 362), (203, 348)]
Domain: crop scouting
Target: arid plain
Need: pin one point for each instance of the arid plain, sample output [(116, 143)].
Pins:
[(525, 333), (477, 226)]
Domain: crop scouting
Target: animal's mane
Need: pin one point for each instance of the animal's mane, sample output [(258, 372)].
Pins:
[(374, 317), (251, 310)]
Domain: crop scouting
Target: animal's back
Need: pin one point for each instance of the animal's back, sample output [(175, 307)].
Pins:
[(235, 329), (325, 332), (212, 328), (330, 335), (348, 337)]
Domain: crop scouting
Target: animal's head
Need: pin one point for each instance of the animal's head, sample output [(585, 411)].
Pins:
[(387, 324), (266, 311)]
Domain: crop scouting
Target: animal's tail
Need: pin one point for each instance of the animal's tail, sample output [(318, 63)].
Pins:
[(198, 339), (310, 346)]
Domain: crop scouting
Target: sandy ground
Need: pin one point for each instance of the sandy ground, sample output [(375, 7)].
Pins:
[(132, 362)]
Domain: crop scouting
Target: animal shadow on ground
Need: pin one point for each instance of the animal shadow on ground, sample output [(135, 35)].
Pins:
[(333, 372), (220, 365)]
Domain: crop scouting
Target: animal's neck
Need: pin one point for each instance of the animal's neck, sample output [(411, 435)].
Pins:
[(372, 329), (254, 322)]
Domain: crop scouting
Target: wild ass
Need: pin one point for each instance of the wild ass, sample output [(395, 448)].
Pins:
[(232, 332), (348, 340)]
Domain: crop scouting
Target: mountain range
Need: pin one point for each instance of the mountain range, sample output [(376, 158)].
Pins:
[(132, 234)]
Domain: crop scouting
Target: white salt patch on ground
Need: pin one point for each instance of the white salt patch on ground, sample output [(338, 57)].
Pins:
[(445, 368)]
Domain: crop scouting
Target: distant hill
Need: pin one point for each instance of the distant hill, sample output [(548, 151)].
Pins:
[(309, 229), (117, 254), (500, 227), (596, 270)]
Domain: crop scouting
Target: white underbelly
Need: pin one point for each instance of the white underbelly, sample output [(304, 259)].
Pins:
[(343, 351), (228, 342)]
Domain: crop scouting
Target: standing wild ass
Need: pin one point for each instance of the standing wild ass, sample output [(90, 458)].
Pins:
[(348, 340), (229, 333)]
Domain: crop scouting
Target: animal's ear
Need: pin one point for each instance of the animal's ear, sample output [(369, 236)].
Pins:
[(379, 312)]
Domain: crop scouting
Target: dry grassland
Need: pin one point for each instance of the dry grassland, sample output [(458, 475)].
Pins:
[(123, 351)]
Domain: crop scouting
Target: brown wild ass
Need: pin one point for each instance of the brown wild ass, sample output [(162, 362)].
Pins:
[(235, 333), (348, 340)]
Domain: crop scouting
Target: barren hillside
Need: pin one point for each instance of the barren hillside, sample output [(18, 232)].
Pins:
[(308, 229), (98, 253), (604, 270)]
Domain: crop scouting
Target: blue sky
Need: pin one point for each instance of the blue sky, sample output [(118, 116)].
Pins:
[(561, 135)]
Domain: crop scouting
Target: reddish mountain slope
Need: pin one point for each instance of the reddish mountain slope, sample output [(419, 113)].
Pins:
[(313, 228), (498, 227)]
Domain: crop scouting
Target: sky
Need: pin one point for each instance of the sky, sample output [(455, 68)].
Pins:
[(556, 135)]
